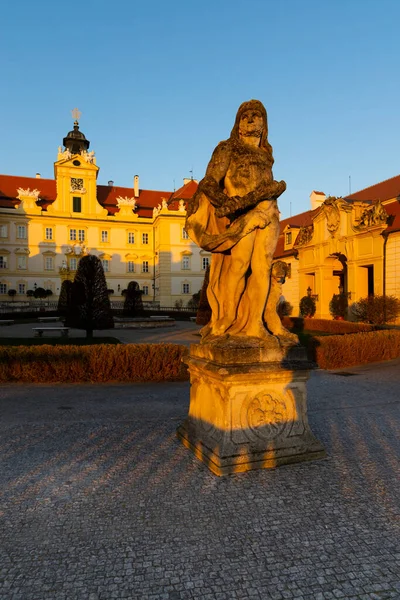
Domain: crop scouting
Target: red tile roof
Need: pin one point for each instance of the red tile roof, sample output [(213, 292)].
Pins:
[(106, 195), (393, 210), (148, 199), (186, 192), (301, 220), (385, 190)]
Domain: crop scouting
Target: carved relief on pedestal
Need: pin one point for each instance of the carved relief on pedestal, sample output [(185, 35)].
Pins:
[(265, 415)]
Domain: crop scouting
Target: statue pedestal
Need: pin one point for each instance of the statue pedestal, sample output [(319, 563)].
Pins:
[(248, 406)]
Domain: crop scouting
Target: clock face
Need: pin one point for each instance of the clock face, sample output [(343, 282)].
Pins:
[(76, 184)]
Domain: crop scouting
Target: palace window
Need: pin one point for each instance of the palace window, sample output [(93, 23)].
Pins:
[(145, 266), (81, 235), (21, 262), (145, 238), (104, 236), (131, 238), (72, 235), (145, 290), (77, 204), (21, 288), (48, 263), (106, 265), (21, 232), (3, 288), (131, 266), (3, 262), (185, 235), (186, 263), (3, 231), (205, 261), (185, 288), (49, 233), (288, 239), (73, 263)]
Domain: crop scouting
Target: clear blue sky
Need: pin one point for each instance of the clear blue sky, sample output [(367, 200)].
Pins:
[(158, 84)]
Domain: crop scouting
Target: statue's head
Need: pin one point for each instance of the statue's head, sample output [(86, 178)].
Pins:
[(251, 119)]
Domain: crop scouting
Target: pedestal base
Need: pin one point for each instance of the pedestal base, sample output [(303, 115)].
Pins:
[(248, 406)]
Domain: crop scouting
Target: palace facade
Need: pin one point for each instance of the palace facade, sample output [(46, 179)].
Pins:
[(349, 244), (47, 225)]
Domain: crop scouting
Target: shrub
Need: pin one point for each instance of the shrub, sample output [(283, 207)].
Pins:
[(338, 305), (97, 364), (376, 309), (90, 305), (40, 293), (49, 292), (357, 349), (64, 300), (284, 309), (178, 304), (307, 306), (193, 303), (325, 325), (133, 304), (12, 293)]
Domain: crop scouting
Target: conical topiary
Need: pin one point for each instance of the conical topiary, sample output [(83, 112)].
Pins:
[(90, 306)]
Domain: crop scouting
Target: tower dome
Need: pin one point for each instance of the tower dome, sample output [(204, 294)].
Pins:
[(75, 141)]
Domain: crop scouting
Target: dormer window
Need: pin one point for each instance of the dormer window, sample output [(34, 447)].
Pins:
[(288, 238)]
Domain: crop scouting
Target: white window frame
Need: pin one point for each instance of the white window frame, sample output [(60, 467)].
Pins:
[(185, 263), (3, 261), (104, 236), (185, 286), (81, 235), (205, 261), (48, 233), (3, 231), (145, 239), (145, 290), (185, 235), (73, 264), (72, 235), (22, 262), (145, 266), (22, 232), (3, 288), (22, 288), (131, 266), (49, 263), (106, 264), (131, 237)]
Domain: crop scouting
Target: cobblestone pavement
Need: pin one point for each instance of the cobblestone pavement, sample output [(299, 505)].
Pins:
[(101, 501)]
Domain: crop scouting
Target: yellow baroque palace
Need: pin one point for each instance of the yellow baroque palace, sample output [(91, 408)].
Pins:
[(349, 245), (47, 225)]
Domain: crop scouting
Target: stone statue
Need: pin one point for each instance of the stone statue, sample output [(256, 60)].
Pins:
[(234, 214)]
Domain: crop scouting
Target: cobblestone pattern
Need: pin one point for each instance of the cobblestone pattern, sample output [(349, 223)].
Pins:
[(100, 501)]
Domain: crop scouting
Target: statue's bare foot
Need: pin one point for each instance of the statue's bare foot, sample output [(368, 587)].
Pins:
[(221, 326), (286, 337)]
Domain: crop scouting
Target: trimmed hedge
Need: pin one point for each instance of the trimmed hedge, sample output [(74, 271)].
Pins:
[(326, 325), (94, 364), (337, 351)]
